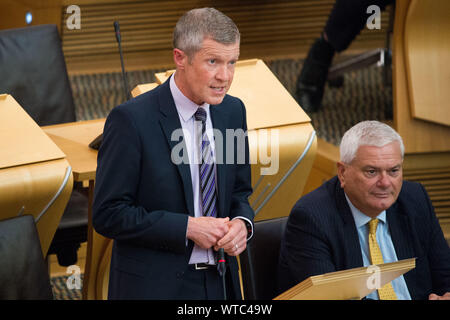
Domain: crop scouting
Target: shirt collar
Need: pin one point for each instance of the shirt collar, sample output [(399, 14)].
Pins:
[(360, 218), (185, 107)]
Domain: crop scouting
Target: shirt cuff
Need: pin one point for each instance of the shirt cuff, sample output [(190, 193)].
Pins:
[(248, 224)]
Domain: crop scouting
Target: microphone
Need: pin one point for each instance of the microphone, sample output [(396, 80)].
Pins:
[(221, 267), (117, 30), (119, 42)]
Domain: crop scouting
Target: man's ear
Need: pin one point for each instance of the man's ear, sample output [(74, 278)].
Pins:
[(341, 167), (180, 58)]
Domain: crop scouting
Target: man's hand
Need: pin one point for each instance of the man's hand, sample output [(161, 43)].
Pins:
[(206, 231), (235, 241), (433, 296)]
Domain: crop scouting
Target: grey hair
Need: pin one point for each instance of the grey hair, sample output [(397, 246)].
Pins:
[(367, 133), (198, 24)]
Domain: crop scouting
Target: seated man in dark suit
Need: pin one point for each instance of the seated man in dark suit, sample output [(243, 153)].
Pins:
[(368, 215), (162, 191)]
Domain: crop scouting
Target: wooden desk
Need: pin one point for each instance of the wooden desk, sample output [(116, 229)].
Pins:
[(73, 139)]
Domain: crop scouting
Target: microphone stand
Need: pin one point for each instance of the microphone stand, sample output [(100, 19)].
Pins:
[(124, 77), (95, 144)]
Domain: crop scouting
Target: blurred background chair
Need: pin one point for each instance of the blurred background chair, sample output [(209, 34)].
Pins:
[(34, 72), (23, 272), (259, 262)]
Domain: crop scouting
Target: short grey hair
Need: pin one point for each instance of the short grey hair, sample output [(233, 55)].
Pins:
[(367, 133), (198, 24)]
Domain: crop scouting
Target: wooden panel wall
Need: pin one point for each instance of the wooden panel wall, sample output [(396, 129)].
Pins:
[(12, 12), (270, 29), (433, 171)]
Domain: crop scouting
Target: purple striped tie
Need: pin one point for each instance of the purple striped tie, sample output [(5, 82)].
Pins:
[(207, 174)]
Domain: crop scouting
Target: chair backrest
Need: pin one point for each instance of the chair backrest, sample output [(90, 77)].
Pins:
[(259, 262), (23, 272), (33, 71)]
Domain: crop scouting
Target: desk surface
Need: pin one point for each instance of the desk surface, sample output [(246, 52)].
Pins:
[(73, 139)]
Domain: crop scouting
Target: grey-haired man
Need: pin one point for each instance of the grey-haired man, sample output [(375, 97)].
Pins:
[(368, 215), (169, 218)]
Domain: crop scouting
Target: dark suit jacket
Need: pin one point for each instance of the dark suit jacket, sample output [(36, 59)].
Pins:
[(321, 237), (143, 200)]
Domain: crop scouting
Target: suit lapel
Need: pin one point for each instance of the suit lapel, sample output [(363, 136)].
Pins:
[(398, 224), (350, 234), (218, 122), (403, 244), (170, 122)]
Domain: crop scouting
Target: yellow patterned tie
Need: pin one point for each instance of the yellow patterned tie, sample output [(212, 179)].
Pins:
[(387, 291)]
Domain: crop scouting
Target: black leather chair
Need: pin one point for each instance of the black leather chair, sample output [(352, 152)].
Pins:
[(259, 262), (72, 230), (33, 71), (23, 271)]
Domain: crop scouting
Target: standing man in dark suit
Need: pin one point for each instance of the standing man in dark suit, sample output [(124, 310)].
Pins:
[(368, 215), (163, 190)]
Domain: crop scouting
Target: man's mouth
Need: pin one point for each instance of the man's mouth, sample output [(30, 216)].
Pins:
[(218, 89), (381, 194)]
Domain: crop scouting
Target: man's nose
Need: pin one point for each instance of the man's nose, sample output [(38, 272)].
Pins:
[(223, 74), (383, 180)]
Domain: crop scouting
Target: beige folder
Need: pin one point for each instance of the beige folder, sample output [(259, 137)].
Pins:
[(348, 284)]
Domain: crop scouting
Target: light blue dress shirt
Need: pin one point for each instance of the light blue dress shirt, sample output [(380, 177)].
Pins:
[(386, 246)]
